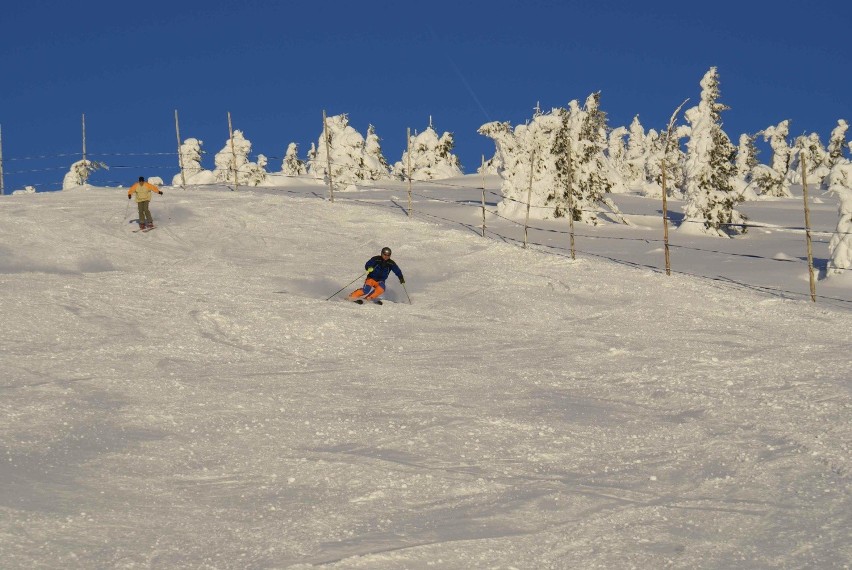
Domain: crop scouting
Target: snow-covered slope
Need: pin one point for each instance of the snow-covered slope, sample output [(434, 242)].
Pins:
[(188, 398)]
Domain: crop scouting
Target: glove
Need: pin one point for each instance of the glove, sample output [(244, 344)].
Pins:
[(402, 280), (370, 270), (161, 192)]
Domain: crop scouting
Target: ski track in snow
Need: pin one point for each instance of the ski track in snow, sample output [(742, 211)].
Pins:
[(188, 398)]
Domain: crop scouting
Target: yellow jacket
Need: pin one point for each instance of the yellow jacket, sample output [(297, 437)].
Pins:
[(143, 191)]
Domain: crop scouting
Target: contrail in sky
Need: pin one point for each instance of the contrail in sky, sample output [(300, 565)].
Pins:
[(459, 73)]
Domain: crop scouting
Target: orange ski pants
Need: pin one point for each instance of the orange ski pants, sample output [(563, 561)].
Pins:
[(371, 289)]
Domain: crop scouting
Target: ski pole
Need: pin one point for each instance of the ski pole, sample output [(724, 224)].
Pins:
[(406, 293), (348, 284)]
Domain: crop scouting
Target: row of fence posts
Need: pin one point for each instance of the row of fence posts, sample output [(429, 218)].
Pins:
[(664, 165)]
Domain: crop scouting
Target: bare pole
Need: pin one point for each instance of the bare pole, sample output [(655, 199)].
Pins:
[(233, 152), (482, 170), (180, 157), (85, 162), (665, 191), (571, 202), (666, 221), (803, 162), (327, 156), (529, 198), (84, 138), (408, 154), (2, 187)]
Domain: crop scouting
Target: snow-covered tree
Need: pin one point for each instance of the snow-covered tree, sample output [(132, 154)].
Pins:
[(837, 143), (491, 166), (561, 183), (709, 192), (636, 155), (227, 160), (653, 163), (190, 159), (255, 172), (591, 172), (816, 168), (525, 151), (746, 163), (347, 149), (839, 182), (772, 180), (79, 173), (746, 156), (374, 159), (616, 149), (676, 160), (431, 157), (292, 166)]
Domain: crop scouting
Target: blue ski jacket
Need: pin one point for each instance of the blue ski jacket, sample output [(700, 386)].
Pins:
[(382, 269)]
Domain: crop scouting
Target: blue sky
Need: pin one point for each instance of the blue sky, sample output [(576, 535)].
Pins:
[(277, 65)]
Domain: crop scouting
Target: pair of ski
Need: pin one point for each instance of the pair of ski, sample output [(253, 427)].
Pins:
[(376, 302), (146, 229)]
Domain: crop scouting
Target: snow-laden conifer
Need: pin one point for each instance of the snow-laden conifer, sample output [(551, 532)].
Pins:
[(374, 159), (524, 152), (617, 149), (808, 148), (592, 172), (772, 180), (664, 148), (255, 172), (348, 156), (839, 182), (710, 198), (292, 166), (634, 167), (432, 157), (746, 163), (79, 173), (491, 166), (227, 160), (837, 143), (562, 183), (190, 160)]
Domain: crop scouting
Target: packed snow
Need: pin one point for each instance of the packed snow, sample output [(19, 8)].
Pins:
[(190, 397)]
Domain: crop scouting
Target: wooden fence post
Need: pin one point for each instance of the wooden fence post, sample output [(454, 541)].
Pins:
[(408, 154), (85, 162), (233, 152), (482, 170), (180, 157), (803, 161), (571, 201), (2, 187), (665, 202), (666, 220), (529, 198), (327, 157)]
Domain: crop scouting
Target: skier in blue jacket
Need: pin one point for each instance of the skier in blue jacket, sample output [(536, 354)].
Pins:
[(378, 268)]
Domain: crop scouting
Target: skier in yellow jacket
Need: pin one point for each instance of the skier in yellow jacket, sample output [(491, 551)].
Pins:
[(143, 196)]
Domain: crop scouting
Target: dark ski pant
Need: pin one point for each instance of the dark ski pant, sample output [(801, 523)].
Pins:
[(144, 213)]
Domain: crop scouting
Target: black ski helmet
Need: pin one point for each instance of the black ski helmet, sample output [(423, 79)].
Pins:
[(386, 251), (141, 179)]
